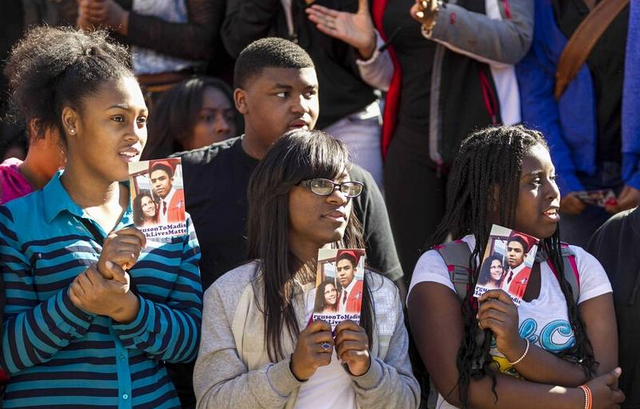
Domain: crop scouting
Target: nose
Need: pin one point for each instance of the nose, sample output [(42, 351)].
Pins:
[(553, 192), (221, 126), (138, 133), (300, 105), (337, 197)]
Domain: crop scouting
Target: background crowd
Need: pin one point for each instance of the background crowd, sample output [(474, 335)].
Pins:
[(401, 83)]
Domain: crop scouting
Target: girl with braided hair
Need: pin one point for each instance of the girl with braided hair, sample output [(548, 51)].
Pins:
[(564, 351)]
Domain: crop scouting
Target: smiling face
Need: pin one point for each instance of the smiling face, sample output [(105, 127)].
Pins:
[(345, 271), (495, 270), (317, 220), (216, 120), (330, 294), (278, 100), (161, 182), (148, 207), (108, 132), (539, 197), (515, 254)]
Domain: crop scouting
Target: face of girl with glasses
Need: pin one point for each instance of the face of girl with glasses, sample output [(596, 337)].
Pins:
[(316, 220)]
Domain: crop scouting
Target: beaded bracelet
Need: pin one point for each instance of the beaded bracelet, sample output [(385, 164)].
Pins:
[(588, 398), (526, 351)]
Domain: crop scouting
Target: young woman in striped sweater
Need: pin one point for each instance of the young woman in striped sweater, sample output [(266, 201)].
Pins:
[(92, 308)]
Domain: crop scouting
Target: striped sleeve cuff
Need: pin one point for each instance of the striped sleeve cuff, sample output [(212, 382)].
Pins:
[(67, 316), (138, 326)]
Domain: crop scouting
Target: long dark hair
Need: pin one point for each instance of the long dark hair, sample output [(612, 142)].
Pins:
[(176, 114), (138, 213), (488, 160), (321, 304), (298, 155), (485, 272)]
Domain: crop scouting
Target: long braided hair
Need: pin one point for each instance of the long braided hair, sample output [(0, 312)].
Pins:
[(485, 180)]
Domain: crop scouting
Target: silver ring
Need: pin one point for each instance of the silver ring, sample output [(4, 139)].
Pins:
[(325, 346)]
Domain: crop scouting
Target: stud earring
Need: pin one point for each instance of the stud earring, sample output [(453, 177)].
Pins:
[(72, 131)]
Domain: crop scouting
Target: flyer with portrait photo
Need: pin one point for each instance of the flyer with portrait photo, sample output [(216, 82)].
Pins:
[(157, 198), (600, 198), (339, 285), (507, 263)]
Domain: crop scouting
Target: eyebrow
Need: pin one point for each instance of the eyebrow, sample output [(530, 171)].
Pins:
[(126, 107), (285, 86)]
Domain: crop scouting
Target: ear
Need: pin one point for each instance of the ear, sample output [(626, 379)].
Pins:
[(240, 100), (70, 121)]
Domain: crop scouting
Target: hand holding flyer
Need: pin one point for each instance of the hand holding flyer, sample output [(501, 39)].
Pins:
[(600, 198), (339, 285), (158, 197), (507, 263)]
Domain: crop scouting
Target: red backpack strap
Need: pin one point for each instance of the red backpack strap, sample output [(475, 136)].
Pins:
[(456, 256)]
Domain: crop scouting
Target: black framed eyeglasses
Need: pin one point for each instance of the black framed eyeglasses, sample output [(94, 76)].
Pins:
[(325, 187)]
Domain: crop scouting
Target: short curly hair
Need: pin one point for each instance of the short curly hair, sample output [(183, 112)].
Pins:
[(51, 68)]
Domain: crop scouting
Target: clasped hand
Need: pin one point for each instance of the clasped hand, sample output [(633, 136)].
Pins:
[(104, 288), (316, 343)]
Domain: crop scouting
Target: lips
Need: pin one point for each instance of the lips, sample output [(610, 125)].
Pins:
[(299, 123), (552, 214), (130, 154), (336, 215)]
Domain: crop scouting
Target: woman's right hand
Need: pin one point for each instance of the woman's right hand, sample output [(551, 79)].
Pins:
[(309, 354), (354, 29), (122, 248), (604, 391)]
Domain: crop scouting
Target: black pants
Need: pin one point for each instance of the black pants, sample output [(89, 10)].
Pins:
[(415, 194)]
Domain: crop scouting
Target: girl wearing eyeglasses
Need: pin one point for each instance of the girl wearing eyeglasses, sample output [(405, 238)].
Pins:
[(259, 347)]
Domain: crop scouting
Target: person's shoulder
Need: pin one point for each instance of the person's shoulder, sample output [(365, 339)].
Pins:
[(237, 279), (27, 204), (207, 154), (628, 219), (361, 175), (623, 227), (379, 283)]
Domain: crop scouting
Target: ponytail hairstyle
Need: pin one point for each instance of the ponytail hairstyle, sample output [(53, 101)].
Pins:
[(52, 68), (298, 155), (485, 177)]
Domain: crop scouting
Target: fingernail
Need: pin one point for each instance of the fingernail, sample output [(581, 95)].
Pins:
[(108, 264), (419, 14), (618, 371)]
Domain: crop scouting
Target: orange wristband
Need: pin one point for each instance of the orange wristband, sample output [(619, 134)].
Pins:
[(588, 398)]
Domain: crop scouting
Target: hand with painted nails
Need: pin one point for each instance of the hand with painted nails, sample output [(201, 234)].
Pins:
[(424, 11)]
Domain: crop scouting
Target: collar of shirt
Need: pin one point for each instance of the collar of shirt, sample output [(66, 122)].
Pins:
[(57, 200), (168, 197)]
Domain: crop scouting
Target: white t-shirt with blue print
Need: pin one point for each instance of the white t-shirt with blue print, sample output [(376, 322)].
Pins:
[(543, 321)]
